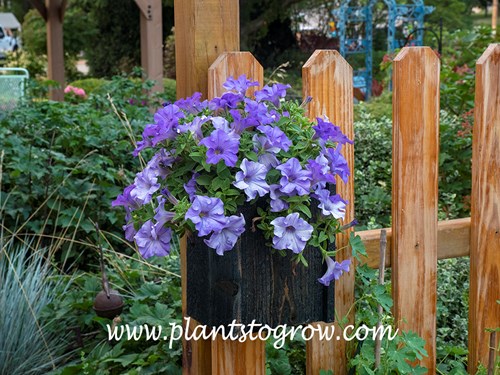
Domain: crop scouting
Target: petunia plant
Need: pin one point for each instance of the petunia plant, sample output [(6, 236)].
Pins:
[(208, 159)]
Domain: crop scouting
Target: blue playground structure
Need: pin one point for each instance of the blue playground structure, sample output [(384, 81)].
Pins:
[(354, 28)]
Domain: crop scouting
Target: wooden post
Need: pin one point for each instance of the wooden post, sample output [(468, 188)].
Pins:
[(484, 311), (203, 30), (53, 14), (494, 16), (152, 40), (327, 78), (415, 194), (230, 357)]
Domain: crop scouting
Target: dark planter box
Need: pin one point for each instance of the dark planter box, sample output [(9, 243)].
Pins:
[(251, 283)]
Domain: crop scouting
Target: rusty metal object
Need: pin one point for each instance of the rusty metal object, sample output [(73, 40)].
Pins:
[(108, 306)]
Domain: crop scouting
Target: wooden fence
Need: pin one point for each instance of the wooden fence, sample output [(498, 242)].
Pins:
[(416, 240)]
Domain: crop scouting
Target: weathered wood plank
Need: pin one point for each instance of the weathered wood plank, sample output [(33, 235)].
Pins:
[(152, 41), (484, 311), (196, 355), (234, 357), (415, 194), (453, 241), (327, 78), (247, 358), (203, 30), (233, 64)]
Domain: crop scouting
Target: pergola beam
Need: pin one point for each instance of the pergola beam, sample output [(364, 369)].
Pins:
[(152, 40), (40, 6), (52, 12)]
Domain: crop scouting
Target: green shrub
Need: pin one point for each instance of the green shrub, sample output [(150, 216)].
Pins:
[(90, 85), (461, 51), (169, 93), (452, 313), (152, 295), (63, 164), (372, 169)]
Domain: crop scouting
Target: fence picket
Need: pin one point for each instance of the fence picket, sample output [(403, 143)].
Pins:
[(327, 78), (230, 357), (484, 311), (415, 194)]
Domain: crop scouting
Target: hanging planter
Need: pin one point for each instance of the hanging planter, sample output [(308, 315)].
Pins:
[(252, 282), (251, 179)]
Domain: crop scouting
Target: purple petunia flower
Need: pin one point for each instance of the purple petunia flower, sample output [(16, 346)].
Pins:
[(153, 240), (141, 145), (277, 204), (320, 172), (327, 131), (146, 184), (252, 179), (226, 239), (221, 146), (239, 85), (258, 112), (221, 123), (129, 230), (228, 100), (190, 187), (126, 200), (295, 179), (207, 215), (194, 127), (291, 233), (272, 93), (192, 104), (240, 123), (167, 121), (334, 271), (331, 204), (337, 163), (161, 162), (276, 139), (162, 216)]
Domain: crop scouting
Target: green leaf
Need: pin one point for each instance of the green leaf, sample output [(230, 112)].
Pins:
[(357, 246), (304, 209), (149, 291), (204, 180)]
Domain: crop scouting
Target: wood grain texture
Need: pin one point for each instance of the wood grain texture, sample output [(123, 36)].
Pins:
[(203, 30), (453, 241), (327, 78), (233, 64), (152, 41), (415, 194), (55, 49), (247, 358), (235, 357), (484, 312)]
